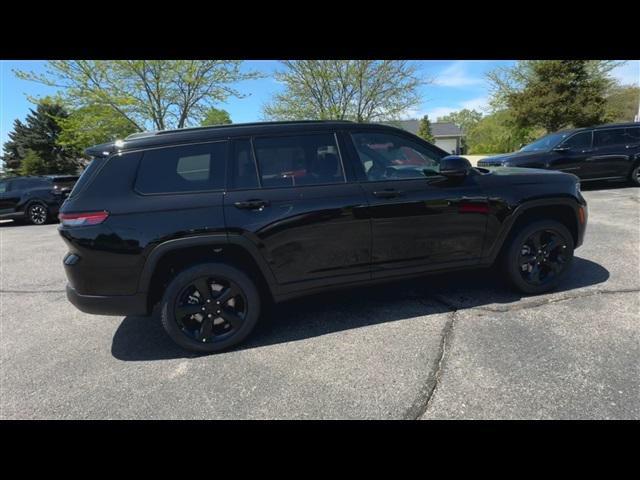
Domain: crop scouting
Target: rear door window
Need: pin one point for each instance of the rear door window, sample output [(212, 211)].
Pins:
[(606, 138), (188, 168), (299, 160), (243, 166), (633, 135)]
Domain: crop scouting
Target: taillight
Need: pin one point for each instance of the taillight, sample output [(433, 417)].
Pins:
[(83, 219)]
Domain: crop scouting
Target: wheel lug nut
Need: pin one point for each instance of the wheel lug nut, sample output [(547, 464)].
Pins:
[(203, 309), (209, 316), (218, 311), (208, 301)]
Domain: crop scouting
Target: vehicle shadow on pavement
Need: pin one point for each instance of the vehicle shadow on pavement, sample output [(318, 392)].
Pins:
[(143, 339)]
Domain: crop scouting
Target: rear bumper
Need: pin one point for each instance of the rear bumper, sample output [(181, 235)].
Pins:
[(109, 305)]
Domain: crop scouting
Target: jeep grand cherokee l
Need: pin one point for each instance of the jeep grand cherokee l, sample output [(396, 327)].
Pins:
[(608, 152), (210, 223), (34, 199)]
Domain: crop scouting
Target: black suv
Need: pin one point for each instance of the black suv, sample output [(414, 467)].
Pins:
[(35, 199), (607, 152), (209, 224)]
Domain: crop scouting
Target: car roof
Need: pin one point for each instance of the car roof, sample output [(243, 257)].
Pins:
[(219, 132)]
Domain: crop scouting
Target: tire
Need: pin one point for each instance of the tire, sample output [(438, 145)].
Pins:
[(634, 176), (195, 331), (521, 268), (37, 213)]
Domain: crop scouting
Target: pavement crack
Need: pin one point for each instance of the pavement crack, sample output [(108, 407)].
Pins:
[(422, 403), (527, 305)]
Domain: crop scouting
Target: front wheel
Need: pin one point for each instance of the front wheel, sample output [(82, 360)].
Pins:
[(538, 257), (210, 307)]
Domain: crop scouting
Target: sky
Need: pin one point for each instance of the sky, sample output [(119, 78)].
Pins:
[(453, 85)]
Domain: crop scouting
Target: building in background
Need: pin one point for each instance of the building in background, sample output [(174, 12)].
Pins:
[(448, 136)]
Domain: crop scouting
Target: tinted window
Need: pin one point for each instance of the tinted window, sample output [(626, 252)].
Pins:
[(603, 138), (243, 167), (25, 183), (182, 169), (579, 140), (387, 156), (87, 174), (633, 134), (299, 160)]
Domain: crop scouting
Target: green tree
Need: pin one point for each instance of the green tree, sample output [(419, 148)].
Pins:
[(359, 90), (155, 94), (39, 133), (553, 94), (499, 133), (92, 125), (465, 119), (215, 116), (622, 103), (424, 129), (33, 164)]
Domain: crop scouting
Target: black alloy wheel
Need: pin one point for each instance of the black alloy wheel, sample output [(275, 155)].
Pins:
[(542, 257), (37, 214), (210, 309), (538, 256)]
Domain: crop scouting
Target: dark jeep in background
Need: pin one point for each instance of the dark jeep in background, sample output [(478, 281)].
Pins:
[(35, 199), (606, 152), (209, 224)]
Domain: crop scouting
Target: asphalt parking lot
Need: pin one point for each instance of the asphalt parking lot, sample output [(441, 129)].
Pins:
[(443, 347)]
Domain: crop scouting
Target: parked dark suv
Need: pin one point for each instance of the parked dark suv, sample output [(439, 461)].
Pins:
[(34, 199), (607, 152), (208, 224)]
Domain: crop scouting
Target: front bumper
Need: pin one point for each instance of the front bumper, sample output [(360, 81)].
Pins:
[(110, 304)]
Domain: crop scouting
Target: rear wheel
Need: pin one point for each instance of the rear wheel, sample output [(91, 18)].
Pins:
[(37, 214), (539, 256), (210, 307), (634, 177)]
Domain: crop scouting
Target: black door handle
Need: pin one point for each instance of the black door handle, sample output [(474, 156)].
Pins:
[(252, 204), (388, 193)]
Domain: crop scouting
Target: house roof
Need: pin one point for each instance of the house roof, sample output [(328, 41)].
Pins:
[(445, 129), (438, 129)]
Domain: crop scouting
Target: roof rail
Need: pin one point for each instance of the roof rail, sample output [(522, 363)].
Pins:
[(230, 125)]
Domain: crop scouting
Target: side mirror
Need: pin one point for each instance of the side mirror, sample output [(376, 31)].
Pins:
[(454, 166)]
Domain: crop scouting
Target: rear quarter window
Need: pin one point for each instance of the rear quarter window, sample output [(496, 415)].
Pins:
[(188, 168), (87, 174)]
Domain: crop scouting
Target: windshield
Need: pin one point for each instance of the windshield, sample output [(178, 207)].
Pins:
[(545, 143)]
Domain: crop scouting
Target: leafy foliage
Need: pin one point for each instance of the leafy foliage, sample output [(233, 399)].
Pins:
[(499, 133), (215, 116), (623, 103), (155, 94), (39, 134), (424, 130), (92, 125), (553, 94), (33, 164), (465, 119), (359, 90)]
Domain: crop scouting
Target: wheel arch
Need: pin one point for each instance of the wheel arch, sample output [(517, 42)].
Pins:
[(563, 210), (173, 256)]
